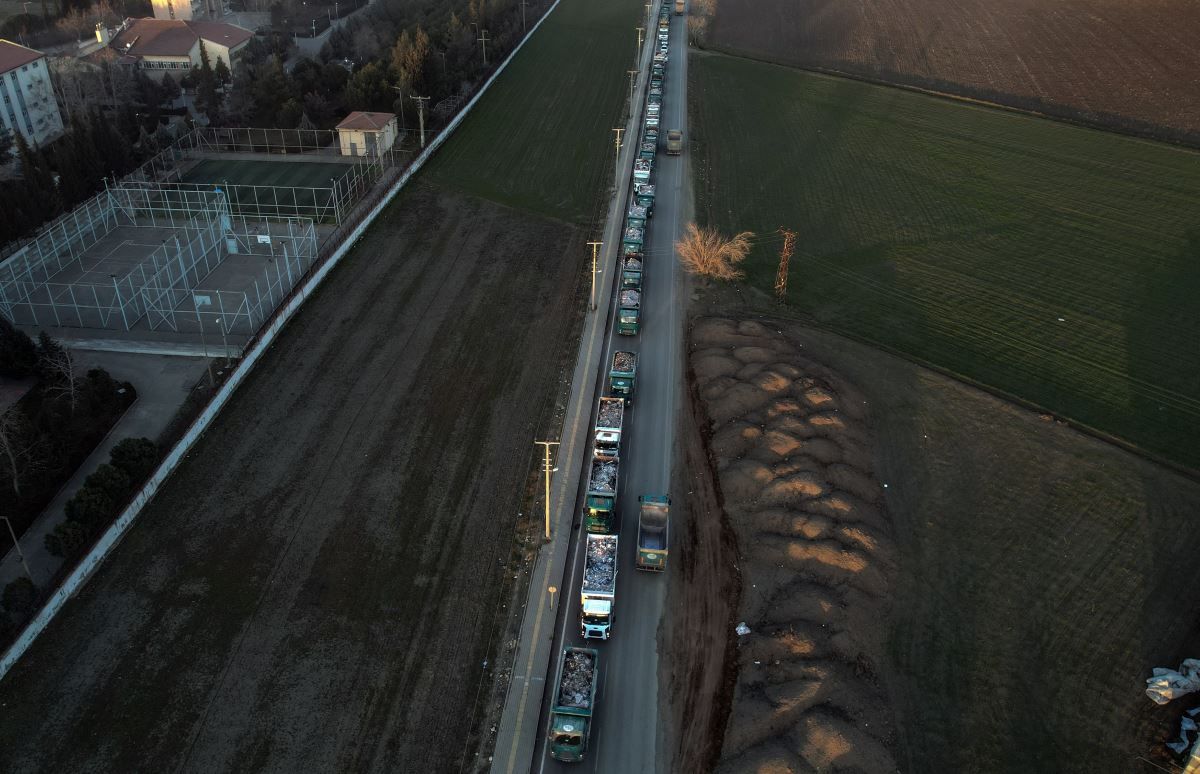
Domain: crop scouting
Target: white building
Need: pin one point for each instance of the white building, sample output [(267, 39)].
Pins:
[(29, 105), (158, 46), (185, 10), (366, 134)]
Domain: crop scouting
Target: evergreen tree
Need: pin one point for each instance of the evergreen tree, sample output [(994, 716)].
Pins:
[(207, 99), (39, 189)]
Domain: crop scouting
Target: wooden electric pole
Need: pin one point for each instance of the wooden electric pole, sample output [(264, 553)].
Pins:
[(546, 468), (483, 39), (595, 247), (785, 255)]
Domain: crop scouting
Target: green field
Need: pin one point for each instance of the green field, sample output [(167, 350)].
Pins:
[(1054, 263), (541, 138), (288, 178)]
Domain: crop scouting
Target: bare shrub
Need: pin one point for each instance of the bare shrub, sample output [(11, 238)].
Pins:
[(705, 252)]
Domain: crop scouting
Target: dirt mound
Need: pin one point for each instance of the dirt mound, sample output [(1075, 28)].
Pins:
[(816, 555)]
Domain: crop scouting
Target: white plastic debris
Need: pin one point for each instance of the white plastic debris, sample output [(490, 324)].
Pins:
[(742, 629), (1168, 684)]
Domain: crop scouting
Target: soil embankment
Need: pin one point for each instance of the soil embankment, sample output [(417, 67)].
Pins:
[(792, 449)]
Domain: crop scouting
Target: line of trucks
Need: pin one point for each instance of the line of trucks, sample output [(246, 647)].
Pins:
[(574, 698)]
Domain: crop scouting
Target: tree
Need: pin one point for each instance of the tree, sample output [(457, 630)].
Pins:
[(408, 59), (170, 89), (137, 457), (40, 193), (6, 144), (56, 369), (207, 99), (368, 89), (67, 538), (17, 445), (110, 480), (77, 21), (91, 507), (20, 597), (221, 71), (704, 252), (18, 355)]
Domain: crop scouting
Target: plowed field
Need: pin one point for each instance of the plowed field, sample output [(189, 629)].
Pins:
[(1127, 64), (314, 589)]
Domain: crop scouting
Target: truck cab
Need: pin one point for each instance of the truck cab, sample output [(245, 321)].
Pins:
[(568, 738), (595, 619)]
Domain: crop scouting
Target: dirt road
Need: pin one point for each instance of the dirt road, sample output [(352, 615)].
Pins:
[(314, 589)]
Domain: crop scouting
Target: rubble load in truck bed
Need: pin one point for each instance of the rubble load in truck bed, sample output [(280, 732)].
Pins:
[(604, 475), (637, 211), (630, 299), (633, 263), (576, 688), (633, 234), (600, 569), (611, 412), (623, 361)]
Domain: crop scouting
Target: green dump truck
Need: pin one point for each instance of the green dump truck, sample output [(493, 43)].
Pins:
[(631, 272), (644, 194), (631, 240), (601, 492), (574, 703), (623, 373), (629, 313), (653, 524), (636, 216)]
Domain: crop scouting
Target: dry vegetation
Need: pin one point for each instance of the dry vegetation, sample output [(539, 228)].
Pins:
[(706, 253), (1132, 65)]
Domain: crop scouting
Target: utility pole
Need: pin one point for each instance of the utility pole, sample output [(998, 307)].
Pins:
[(523, 4), (632, 80), (400, 91), (17, 545), (785, 255), (483, 39), (637, 52), (421, 115), (617, 143), (595, 247), (547, 445), (442, 54)]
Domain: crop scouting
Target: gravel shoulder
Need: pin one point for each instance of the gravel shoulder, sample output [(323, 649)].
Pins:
[(306, 594)]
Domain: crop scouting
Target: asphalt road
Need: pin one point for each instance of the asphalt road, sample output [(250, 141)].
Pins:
[(626, 733)]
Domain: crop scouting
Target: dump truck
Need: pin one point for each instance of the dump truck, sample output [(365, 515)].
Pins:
[(647, 150), (622, 374), (598, 596), (636, 215), (631, 272), (642, 167), (644, 195), (574, 702), (653, 524), (629, 313), (601, 493), (610, 415), (631, 239), (679, 7)]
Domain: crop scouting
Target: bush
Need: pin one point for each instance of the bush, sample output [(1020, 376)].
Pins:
[(20, 596), (68, 539), (91, 507), (137, 457), (110, 480)]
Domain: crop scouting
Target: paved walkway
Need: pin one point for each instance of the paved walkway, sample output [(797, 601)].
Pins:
[(162, 383)]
